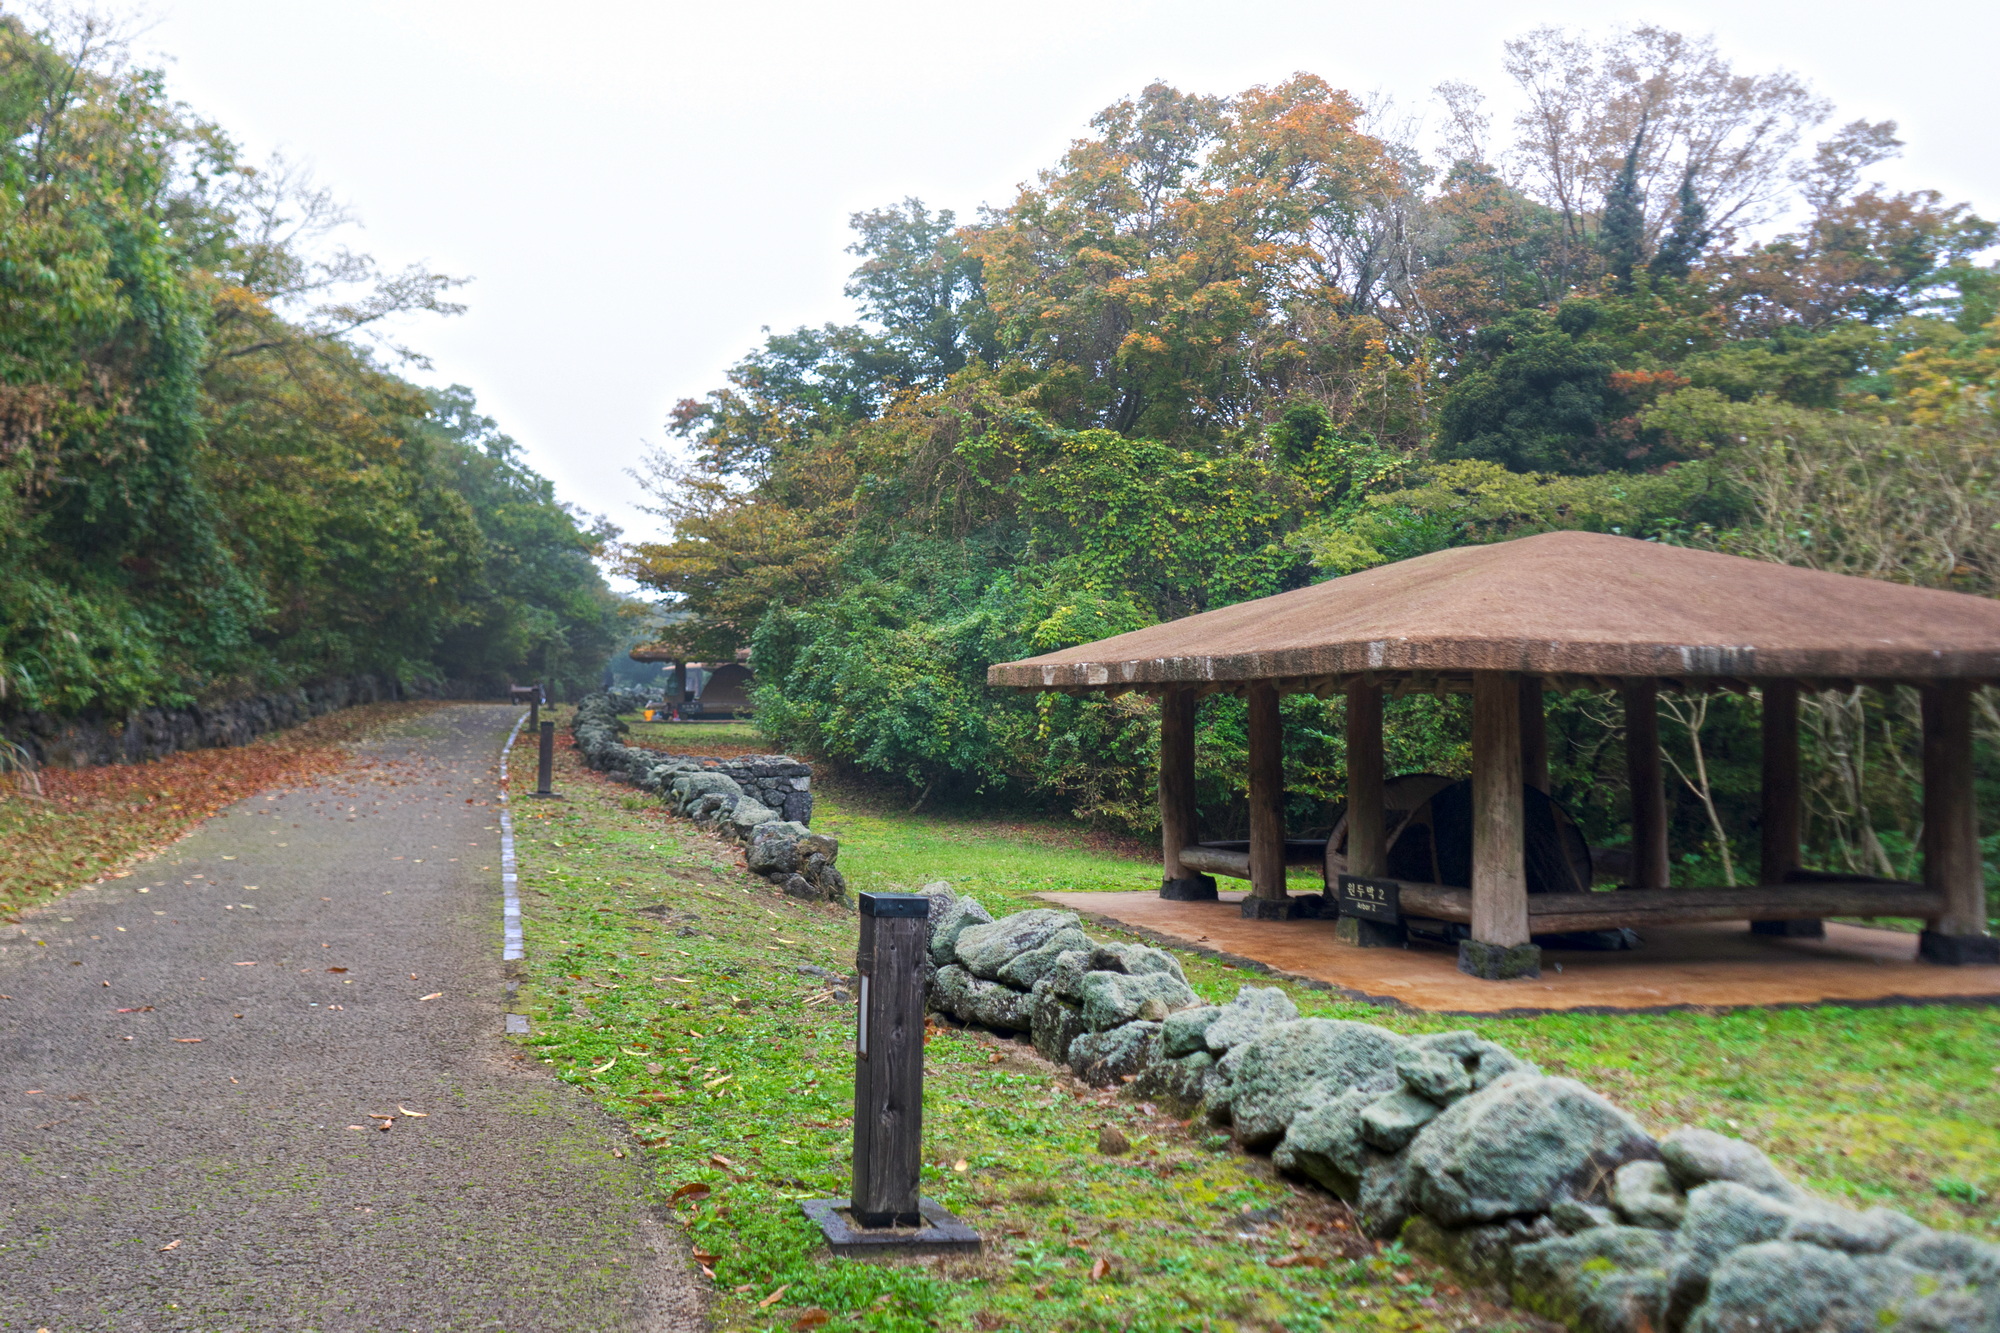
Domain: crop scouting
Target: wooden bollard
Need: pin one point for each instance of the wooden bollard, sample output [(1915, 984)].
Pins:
[(886, 1214), (545, 766)]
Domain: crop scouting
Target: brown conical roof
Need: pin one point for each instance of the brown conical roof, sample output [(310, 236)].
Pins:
[(1574, 604)]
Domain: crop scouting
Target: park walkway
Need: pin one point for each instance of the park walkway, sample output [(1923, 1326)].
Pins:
[(185, 1054)]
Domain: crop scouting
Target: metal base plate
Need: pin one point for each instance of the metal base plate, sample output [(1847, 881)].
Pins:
[(942, 1233)]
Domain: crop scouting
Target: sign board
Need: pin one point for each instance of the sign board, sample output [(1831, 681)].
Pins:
[(1371, 899)]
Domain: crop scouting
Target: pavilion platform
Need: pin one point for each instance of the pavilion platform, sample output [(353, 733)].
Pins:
[(1704, 966)]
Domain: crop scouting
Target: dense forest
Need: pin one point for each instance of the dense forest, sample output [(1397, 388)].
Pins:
[(212, 479), (1227, 346)]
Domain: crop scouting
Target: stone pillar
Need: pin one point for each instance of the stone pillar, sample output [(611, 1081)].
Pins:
[(1177, 809), (1268, 899), (1647, 783), (1951, 831), (1500, 948)]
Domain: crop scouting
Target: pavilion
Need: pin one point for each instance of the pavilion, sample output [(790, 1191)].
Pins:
[(1562, 611)]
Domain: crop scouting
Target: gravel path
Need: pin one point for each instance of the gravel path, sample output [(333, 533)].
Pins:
[(185, 1055)]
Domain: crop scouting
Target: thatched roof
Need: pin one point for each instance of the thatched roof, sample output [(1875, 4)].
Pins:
[(1582, 608)]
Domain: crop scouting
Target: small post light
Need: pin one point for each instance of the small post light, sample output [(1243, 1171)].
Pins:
[(545, 768), (886, 1216)]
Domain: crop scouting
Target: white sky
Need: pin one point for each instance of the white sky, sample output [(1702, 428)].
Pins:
[(636, 188)]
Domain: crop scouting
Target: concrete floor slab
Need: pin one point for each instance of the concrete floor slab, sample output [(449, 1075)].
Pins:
[(1703, 966)]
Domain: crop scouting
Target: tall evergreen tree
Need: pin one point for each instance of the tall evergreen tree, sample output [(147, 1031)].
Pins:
[(1689, 237), (1621, 235)]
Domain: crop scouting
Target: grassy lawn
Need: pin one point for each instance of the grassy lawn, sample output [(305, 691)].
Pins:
[(710, 738), (692, 1022)]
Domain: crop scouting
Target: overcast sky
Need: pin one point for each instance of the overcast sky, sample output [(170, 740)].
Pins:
[(636, 188)]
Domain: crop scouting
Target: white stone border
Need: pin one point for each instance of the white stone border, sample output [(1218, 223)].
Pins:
[(510, 880)]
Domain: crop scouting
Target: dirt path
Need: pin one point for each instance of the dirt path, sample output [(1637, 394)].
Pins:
[(184, 1055)]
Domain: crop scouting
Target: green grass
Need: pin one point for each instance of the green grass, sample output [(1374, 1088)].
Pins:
[(1895, 1105), (696, 737), (694, 1026)]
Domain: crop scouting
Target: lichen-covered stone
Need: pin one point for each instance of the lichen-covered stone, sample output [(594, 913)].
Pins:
[(747, 814), (1645, 1194), (1721, 1217), (1603, 1280), (1484, 1253), (1835, 1228), (1782, 1287), (1325, 1143), (958, 916), (984, 949), (1054, 1022), (1440, 1076), (1245, 1018), (774, 847), (1295, 1064), (1136, 959), (1952, 1255), (971, 999), (1389, 1123), (1187, 1031), (1178, 1079), (1068, 973), (1383, 1201), (1113, 999), (1104, 1059), (948, 992), (1699, 1157), (1517, 1146), (1572, 1216), (1024, 970)]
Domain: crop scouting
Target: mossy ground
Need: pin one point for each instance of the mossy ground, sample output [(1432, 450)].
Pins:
[(693, 1023)]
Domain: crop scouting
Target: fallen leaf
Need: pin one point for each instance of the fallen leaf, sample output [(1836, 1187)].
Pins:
[(772, 1299), (432, 996), (420, 1115), (723, 1162), (1099, 1269), (336, 969), (704, 1258), (696, 1190), (190, 1039), (170, 1245), (246, 965), (606, 1065), (812, 1318), (142, 1009), (959, 1165)]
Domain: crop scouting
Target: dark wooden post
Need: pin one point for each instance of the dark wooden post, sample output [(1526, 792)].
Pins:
[(885, 1216), (1647, 783), (1177, 808), (1951, 831), (1268, 899), (1367, 853), (1367, 841), (889, 1060), (545, 767), (1500, 947), (1779, 824), (1534, 735)]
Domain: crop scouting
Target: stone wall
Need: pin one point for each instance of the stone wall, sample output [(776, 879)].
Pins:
[(149, 733), (763, 801), (1518, 1179)]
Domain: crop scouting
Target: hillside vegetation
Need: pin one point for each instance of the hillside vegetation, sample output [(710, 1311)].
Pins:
[(212, 480), (1228, 346)]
